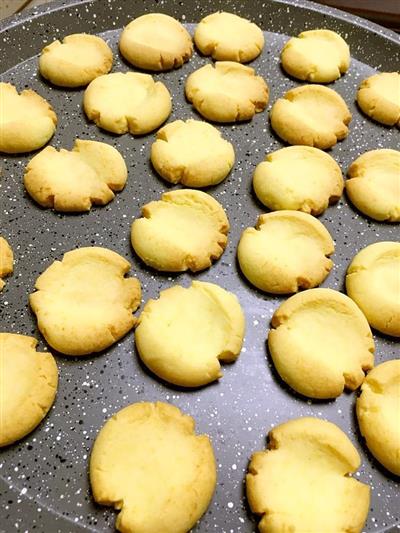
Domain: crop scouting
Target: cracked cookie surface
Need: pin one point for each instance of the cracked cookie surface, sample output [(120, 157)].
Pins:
[(379, 98), (6, 261)]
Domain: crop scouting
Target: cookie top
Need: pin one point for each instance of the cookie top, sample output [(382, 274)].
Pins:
[(285, 252), (300, 178), (227, 92), (156, 42), (27, 121), (320, 343), (83, 304), (127, 101), (28, 384), (319, 56), (374, 184), (379, 97), (313, 115), (185, 230), (6, 261), (76, 60), (378, 413), (183, 336), (192, 153), (228, 37), (148, 462), (301, 482), (373, 282)]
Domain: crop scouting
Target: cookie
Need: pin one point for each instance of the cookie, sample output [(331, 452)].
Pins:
[(156, 42), (300, 178), (312, 115), (27, 121), (319, 56), (84, 304), (374, 184), (301, 483), (185, 230), (320, 343), (285, 252), (6, 261), (74, 180), (76, 60), (183, 336), (149, 464), (379, 98), (378, 414), (373, 282), (228, 37), (192, 153), (227, 92), (28, 385), (121, 102)]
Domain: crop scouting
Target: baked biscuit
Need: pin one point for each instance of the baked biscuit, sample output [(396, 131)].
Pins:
[(149, 464), (192, 153), (84, 303), (320, 343), (28, 385), (373, 282), (379, 97), (6, 261), (185, 230), (301, 483), (74, 180)]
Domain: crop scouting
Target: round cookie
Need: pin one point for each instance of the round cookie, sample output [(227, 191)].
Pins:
[(76, 60), (319, 56), (302, 178), (313, 115), (320, 343), (28, 385), (149, 464), (301, 483), (373, 282), (156, 42), (183, 336), (285, 252), (27, 121), (84, 304), (192, 153), (74, 180), (374, 184), (185, 230), (228, 37), (378, 414), (6, 261), (379, 98), (121, 102), (227, 92)]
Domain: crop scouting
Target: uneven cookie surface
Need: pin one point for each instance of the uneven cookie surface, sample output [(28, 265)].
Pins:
[(6, 261), (379, 97)]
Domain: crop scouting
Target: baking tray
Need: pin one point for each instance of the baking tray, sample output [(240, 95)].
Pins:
[(44, 478)]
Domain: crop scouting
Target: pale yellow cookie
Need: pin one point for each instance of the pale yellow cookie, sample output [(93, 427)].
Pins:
[(6, 261), (378, 414), (121, 102), (313, 115), (319, 56), (192, 153), (373, 282), (156, 41), (374, 184), (379, 97), (302, 178), (83, 304), (228, 37), (28, 385), (183, 336), (320, 343), (301, 483), (227, 92), (149, 464), (76, 60), (27, 121), (185, 230), (285, 252), (74, 180)]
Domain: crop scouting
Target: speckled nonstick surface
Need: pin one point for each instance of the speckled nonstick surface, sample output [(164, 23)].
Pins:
[(44, 478)]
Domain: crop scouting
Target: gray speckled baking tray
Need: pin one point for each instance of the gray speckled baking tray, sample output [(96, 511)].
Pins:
[(43, 479)]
